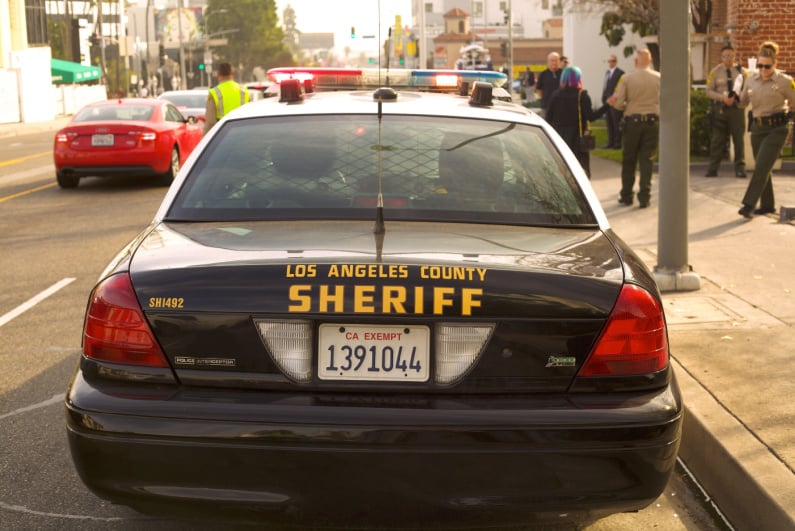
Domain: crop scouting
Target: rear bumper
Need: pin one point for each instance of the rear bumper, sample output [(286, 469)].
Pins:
[(110, 164), (352, 461), (107, 171)]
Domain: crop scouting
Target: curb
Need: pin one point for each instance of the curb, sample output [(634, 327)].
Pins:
[(753, 493)]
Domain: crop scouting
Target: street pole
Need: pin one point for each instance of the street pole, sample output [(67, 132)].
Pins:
[(423, 49), (148, 48), (510, 47), (181, 55), (672, 272)]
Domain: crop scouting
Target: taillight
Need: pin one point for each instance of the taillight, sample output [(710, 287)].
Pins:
[(634, 340), (148, 136), (63, 138), (115, 328)]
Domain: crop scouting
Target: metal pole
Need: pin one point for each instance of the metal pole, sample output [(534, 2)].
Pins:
[(181, 55), (672, 271), (148, 48), (510, 47), (423, 50)]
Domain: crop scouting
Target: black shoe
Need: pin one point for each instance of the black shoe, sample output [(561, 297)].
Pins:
[(761, 211), (711, 174), (644, 205), (746, 211), (741, 174), (625, 202)]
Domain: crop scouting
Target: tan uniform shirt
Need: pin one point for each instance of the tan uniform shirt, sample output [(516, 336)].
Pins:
[(638, 92), (771, 96), (718, 81)]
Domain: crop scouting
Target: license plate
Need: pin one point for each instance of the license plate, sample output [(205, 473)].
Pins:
[(101, 140), (381, 352)]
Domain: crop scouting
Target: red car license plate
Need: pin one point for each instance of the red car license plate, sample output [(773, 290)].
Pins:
[(379, 352), (101, 140)]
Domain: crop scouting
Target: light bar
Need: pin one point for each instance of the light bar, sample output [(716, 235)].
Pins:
[(367, 78)]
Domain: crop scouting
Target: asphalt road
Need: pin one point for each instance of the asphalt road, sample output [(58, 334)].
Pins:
[(53, 245)]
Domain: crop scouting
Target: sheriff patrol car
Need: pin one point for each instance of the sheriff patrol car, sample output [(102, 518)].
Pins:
[(378, 299)]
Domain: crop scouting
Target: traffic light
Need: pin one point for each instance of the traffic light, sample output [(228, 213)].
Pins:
[(353, 32), (201, 66), (507, 16)]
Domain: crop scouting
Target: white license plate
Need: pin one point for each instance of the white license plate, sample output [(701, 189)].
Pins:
[(101, 140), (380, 352)]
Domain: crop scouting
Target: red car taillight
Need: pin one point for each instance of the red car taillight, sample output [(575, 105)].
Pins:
[(144, 136), (64, 138), (634, 340), (115, 328)]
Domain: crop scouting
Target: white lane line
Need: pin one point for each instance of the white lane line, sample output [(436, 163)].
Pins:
[(21, 509), (30, 303), (56, 399)]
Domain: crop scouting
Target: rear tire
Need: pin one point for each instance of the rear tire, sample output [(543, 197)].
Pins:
[(67, 181), (167, 178)]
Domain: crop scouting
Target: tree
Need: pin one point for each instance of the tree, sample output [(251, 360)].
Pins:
[(258, 41), (642, 16), (701, 15)]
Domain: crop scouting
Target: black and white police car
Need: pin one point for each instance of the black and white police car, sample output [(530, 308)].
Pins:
[(394, 303)]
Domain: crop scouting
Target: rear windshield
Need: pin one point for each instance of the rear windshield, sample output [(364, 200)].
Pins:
[(115, 112), (426, 168)]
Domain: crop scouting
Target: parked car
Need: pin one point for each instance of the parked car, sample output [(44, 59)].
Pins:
[(189, 102), (378, 307), (141, 137)]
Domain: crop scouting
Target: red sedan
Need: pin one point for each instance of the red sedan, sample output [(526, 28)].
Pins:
[(143, 137)]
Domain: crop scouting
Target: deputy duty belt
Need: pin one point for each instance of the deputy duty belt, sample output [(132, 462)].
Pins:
[(780, 118), (641, 118)]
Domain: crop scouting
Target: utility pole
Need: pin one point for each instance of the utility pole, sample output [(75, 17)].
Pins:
[(101, 44), (181, 54), (510, 47), (672, 272), (422, 48)]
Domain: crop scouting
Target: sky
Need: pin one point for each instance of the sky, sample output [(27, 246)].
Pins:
[(313, 16)]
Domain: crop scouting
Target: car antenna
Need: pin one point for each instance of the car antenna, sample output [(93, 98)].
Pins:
[(380, 228)]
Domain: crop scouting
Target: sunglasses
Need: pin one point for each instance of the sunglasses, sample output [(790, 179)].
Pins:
[(766, 66)]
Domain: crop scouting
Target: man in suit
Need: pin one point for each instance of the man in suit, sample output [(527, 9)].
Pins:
[(613, 116)]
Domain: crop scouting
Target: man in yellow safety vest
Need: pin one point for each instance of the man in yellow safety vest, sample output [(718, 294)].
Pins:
[(226, 96)]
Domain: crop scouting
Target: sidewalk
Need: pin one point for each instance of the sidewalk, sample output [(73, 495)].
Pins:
[(731, 340), (27, 128)]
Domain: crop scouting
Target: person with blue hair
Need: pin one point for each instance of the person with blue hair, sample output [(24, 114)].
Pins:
[(569, 112)]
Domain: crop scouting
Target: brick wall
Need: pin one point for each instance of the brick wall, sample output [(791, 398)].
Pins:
[(761, 20)]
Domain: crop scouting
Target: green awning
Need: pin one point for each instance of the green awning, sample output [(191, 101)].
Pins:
[(68, 72)]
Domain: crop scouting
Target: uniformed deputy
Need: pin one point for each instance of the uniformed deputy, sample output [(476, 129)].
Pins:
[(223, 98), (638, 95), (769, 92), (728, 116)]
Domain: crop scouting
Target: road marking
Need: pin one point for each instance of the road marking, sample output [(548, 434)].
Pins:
[(13, 177), (26, 192), (21, 509), (56, 399), (33, 301), (23, 159)]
